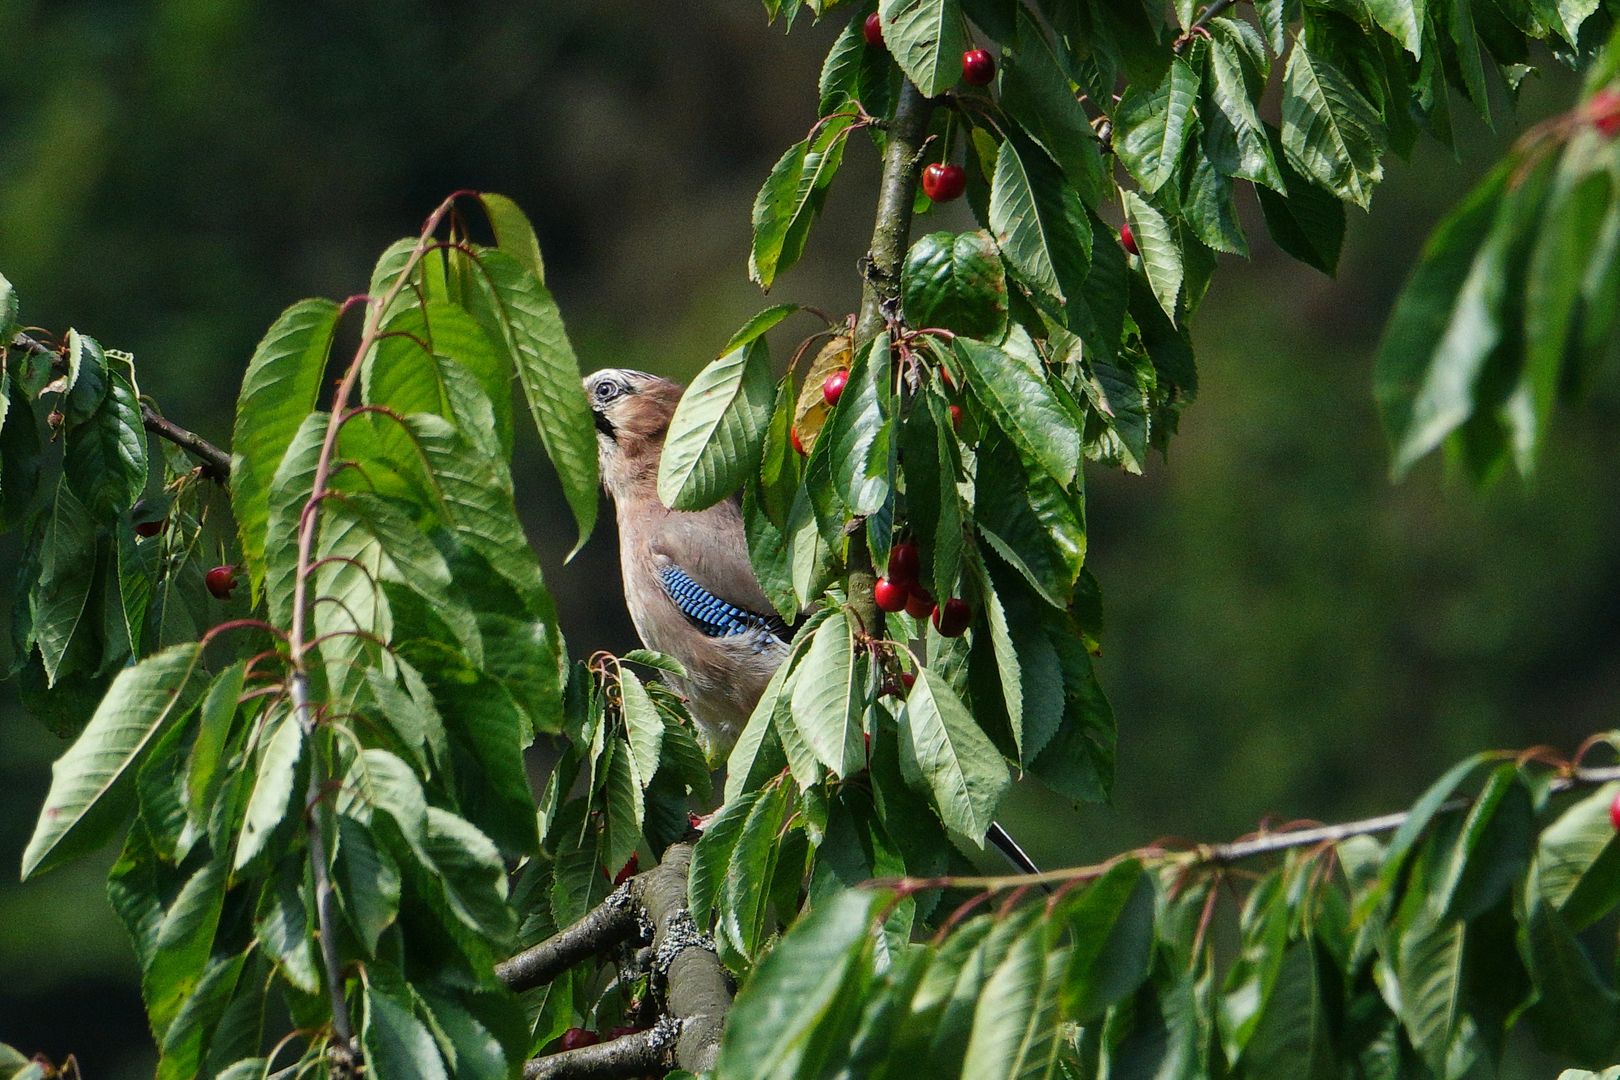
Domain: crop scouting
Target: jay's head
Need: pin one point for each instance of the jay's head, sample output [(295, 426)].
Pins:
[(632, 410)]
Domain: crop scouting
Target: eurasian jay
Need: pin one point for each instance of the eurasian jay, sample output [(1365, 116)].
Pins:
[(687, 581)]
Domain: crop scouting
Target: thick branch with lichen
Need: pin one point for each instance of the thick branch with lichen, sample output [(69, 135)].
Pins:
[(694, 985)]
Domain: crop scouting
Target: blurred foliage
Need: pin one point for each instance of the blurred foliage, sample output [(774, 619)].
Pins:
[(1287, 634)]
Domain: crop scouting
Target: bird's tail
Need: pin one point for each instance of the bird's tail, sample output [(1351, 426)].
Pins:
[(1011, 851)]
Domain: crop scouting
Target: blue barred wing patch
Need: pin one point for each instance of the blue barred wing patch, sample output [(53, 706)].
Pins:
[(712, 615)]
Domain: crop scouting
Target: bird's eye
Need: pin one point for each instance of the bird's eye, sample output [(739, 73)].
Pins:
[(606, 391)]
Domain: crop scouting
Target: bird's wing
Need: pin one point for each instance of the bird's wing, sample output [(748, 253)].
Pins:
[(702, 563)]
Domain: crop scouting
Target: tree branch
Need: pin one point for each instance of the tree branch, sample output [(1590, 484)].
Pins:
[(697, 993), (1231, 852), (639, 1054), (609, 923), (880, 292), (897, 189), (216, 463)]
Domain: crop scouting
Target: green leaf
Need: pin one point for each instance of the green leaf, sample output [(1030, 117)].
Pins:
[(367, 881), (925, 39), (745, 893), (1403, 20), (1293, 1039), (287, 494), (180, 951), (1111, 926), (1161, 258), (90, 784), (1039, 222), (1561, 264), (8, 324), (284, 928), (940, 741), (549, 373), (396, 1043), (1151, 127), (715, 436), (1330, 132), (790, 199), (1430, 972), (1308, 222), (956, 281), (1029, 520), (759, 325), (827, 698), (1015, 1030), (1024, 406), (712, 855), (1578, 860), (858, 437), (1036, 92), (513, 233), (273, 806), (1492, 850), (278, 392), (468, 876), (1234, 137), (1450, 317), (437, 358), (59, 594), (771, 1030), (205, 772), (104, 459), (1576, 1011), (855, 72), (757, 756), (643, 725)]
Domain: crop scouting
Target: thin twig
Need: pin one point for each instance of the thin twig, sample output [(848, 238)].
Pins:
[(1227, 853), (1200, 25), (215, 463), (299, 644)]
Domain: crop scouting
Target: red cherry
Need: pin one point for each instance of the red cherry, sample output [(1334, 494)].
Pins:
[(920, 604), (904, 563), (1603, 110), (798, 444), (978, 67), (626, 872), (1614, 812), (1127, 240), (890, 595), (942, 182), (148, 529), (622, 1030), (833, 388), (576, 1037), (220, 581), (956, 418), (872, 30), (952, 617), (908, 679)]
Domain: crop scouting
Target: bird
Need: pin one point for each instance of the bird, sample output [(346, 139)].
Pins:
[(687, 581), (688, 584)]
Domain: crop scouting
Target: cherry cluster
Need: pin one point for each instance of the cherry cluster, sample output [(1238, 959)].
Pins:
[(901, 591)]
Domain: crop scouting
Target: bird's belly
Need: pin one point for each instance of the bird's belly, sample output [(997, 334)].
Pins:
[(725, 676)]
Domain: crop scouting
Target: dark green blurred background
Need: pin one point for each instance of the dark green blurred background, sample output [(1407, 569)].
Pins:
[(1288, 634)]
